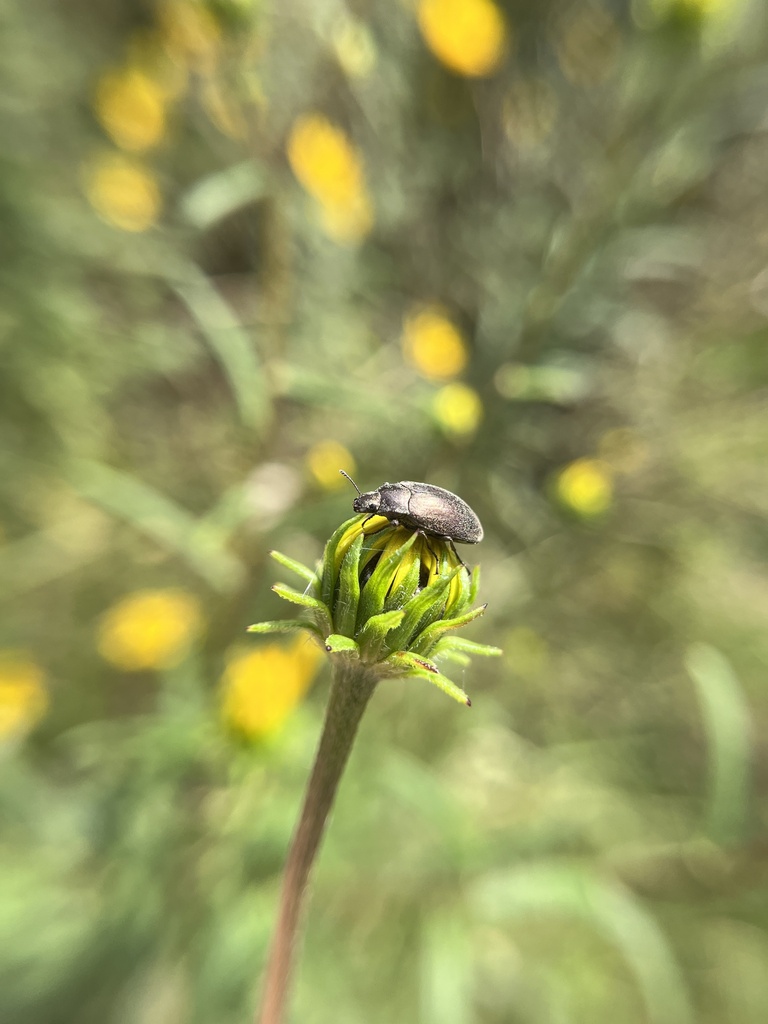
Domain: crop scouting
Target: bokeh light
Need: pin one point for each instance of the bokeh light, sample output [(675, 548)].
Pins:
[(23, 694), (330, 169), (262, 686), (469, 36), (124, 192), (131, 107), (149, 629)]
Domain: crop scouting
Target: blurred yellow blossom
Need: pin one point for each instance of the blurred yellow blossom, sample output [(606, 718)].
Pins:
[(324, 160), (329, 167), (149, 629), (123, 192), (325, 459), (468, 36), (23, 695), (261, 687), (433, 344), (190, 33), (458, 409), (586, 486), (130, 107)]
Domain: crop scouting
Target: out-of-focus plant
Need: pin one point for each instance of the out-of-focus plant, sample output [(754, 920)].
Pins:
[(521, 249)]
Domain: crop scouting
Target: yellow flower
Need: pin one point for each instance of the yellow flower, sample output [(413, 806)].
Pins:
[(324, 160), (586, 487), (434, 345), (123, 192), (458, 409), (325, 459), (329, 167), (149, 629), (468, 36), (131, 108), (261, 687), (23, 696)]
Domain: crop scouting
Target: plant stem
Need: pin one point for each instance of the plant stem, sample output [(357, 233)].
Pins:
[(350, 692)]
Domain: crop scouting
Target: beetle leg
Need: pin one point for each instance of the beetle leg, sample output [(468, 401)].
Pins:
[(429, 549), (456, 553)]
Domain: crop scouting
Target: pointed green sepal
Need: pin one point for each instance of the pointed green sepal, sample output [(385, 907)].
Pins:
[(425, 643), (441, 682), (328, 582), (285, 626), (294, 566), (296, 597), (420, 612), (374, 632), (405, 661), (375, 590), (474, 586), (457, 644), (406, 588), (337, 644), (322, 615), (346, 603)]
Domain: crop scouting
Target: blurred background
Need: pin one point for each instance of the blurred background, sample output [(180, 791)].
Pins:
[(517, 249)]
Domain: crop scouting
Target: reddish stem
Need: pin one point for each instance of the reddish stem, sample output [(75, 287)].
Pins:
[(350, 692)]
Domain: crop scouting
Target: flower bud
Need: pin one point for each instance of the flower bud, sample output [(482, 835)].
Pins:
[(388, 597)]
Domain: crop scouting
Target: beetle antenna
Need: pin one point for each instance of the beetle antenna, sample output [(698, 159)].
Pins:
[(351, 481)]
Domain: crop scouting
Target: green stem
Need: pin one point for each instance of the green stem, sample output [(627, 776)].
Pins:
[(350, 692)]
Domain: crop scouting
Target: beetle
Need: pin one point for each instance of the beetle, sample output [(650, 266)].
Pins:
[(422, 507)]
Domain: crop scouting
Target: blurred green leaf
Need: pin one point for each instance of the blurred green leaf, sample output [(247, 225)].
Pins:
[(726, 718), (128, 498), (229, 341), (566, 891), (220, 194), (446, 969)]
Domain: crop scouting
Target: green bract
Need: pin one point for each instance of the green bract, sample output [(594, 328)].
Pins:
[(389, 598)]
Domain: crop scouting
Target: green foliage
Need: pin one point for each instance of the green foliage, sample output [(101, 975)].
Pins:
[(198, 332)]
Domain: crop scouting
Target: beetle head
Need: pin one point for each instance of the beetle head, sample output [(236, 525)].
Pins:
[(368, 502)]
